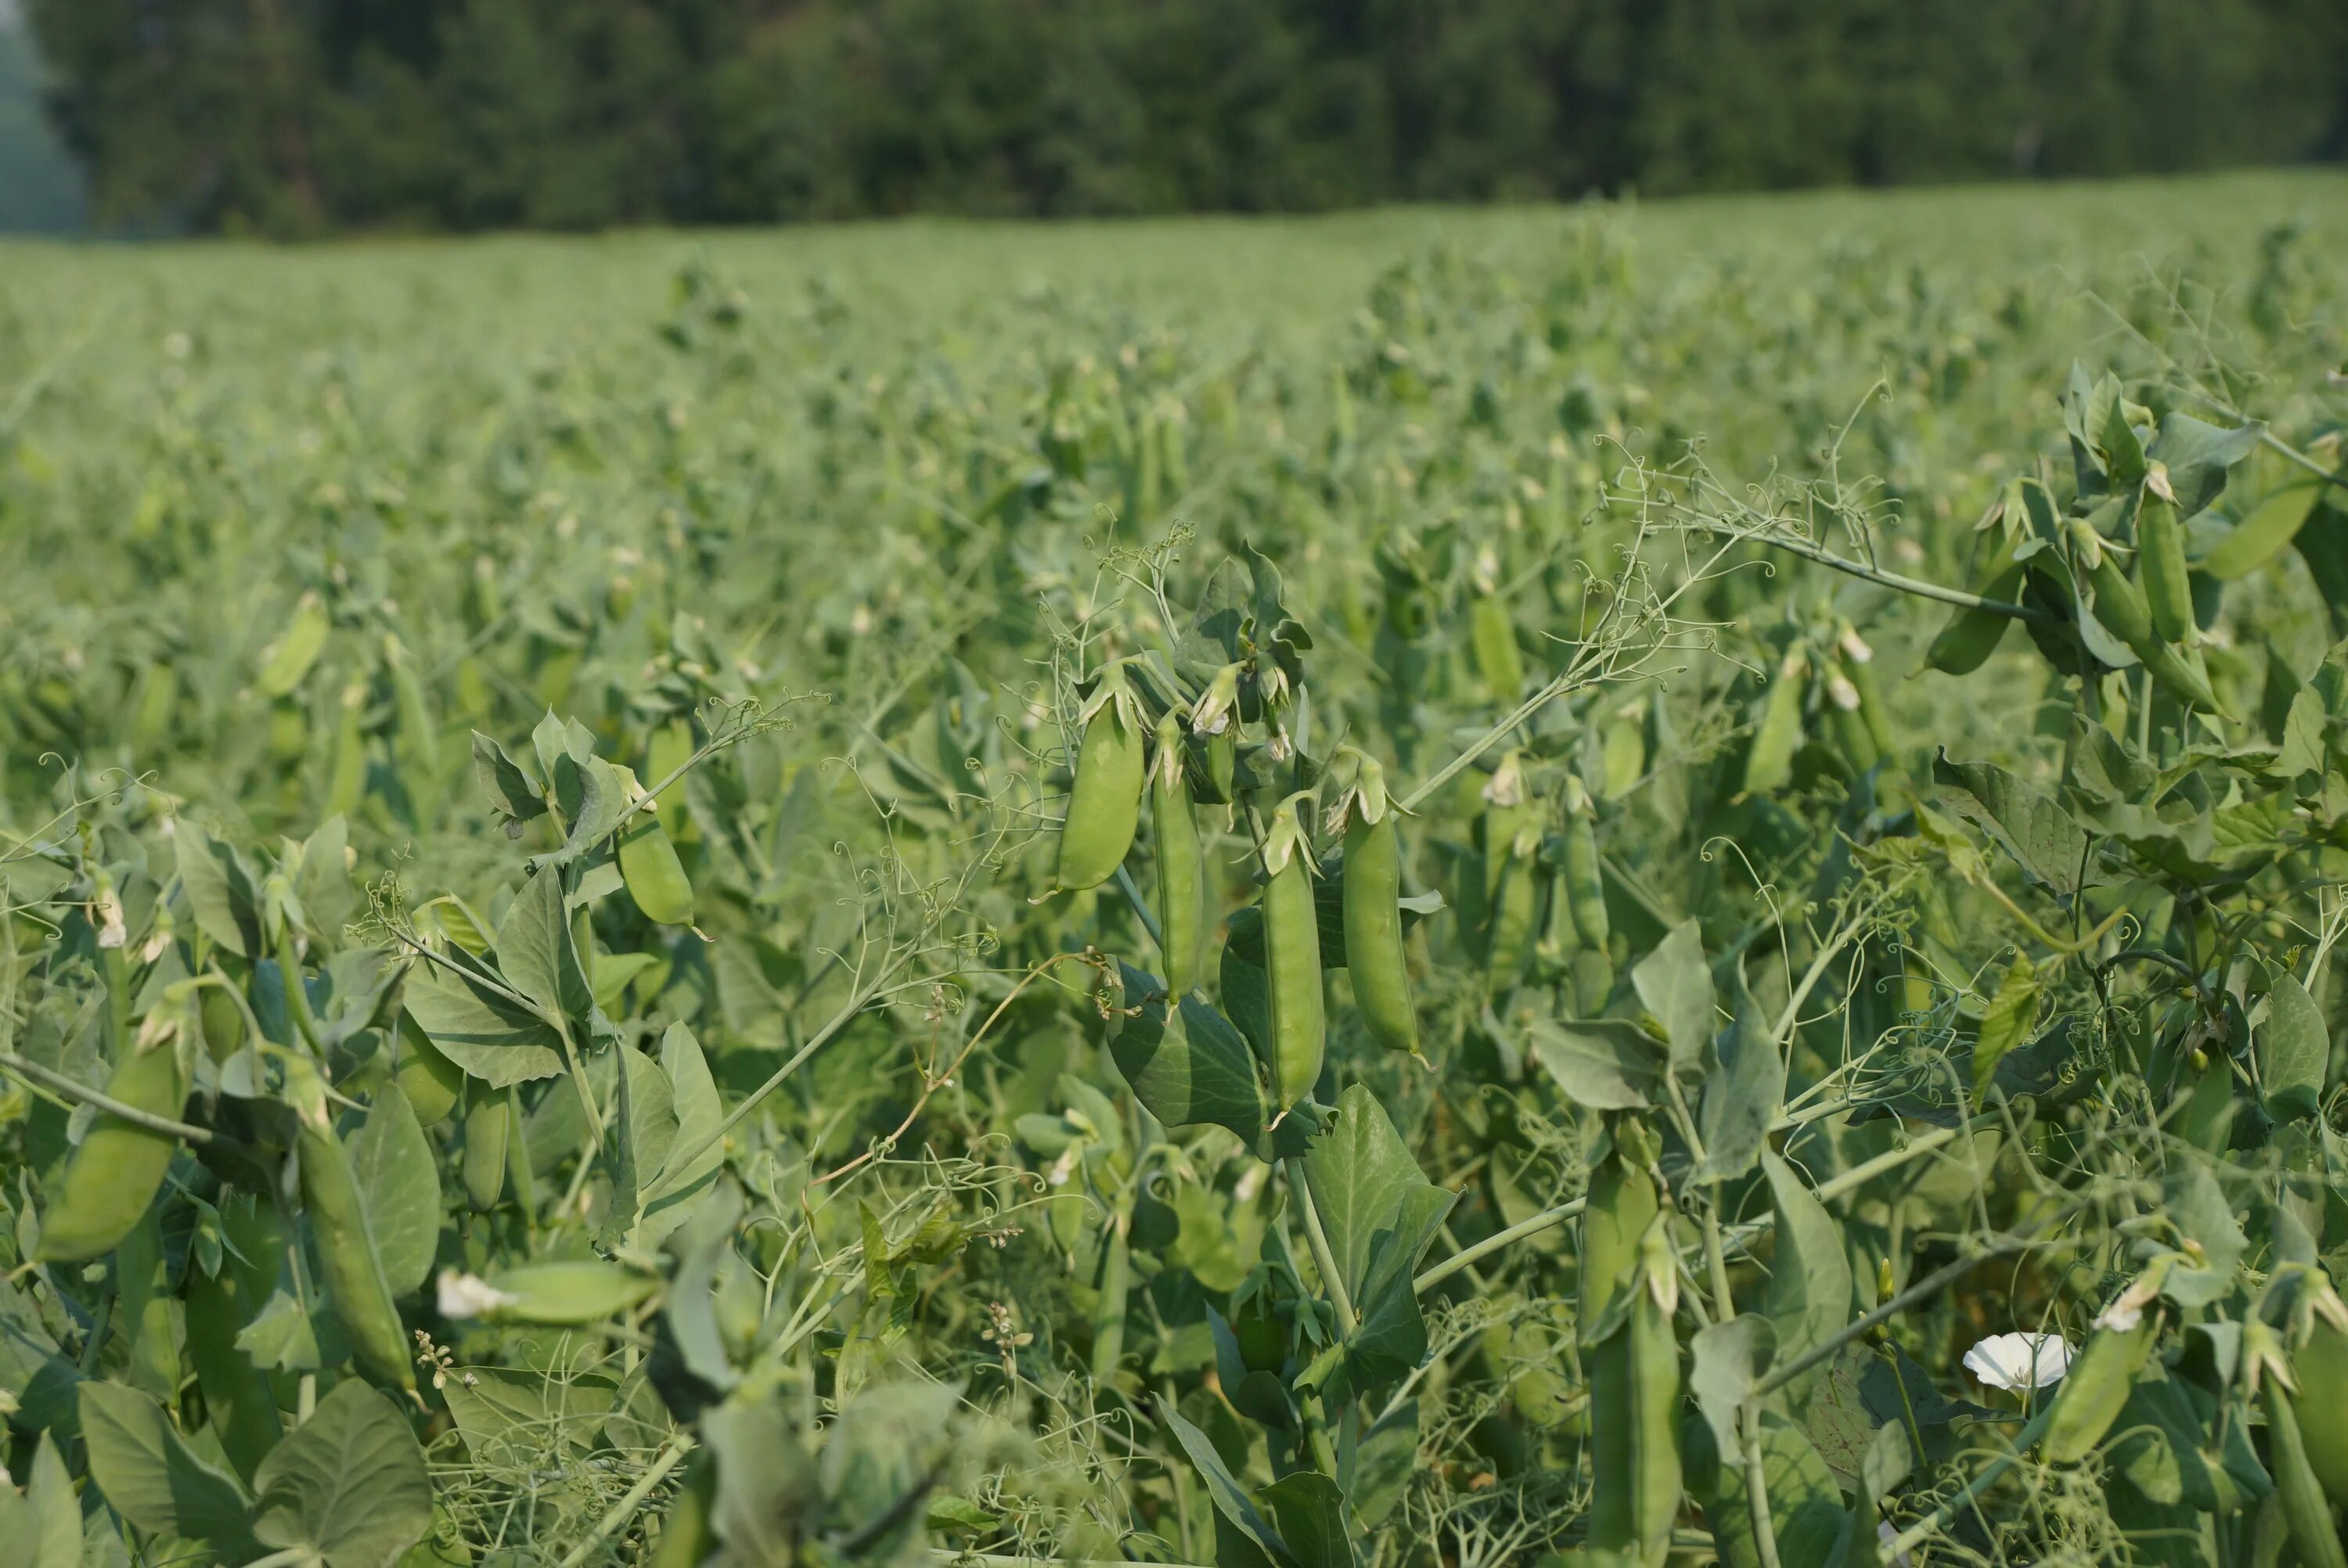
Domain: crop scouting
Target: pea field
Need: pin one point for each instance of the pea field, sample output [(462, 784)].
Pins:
[(1605, 885)]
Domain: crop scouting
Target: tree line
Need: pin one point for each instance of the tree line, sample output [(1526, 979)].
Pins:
[(308, 116)]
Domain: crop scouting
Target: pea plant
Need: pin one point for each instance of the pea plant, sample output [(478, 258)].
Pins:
[(1332, 973)]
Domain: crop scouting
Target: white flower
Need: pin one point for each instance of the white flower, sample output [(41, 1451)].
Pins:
[(470, 1295), (1062, 1169), (2019, 1361)]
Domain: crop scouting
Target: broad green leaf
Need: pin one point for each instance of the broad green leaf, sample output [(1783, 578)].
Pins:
[(590, 790), (1311, 1514), (511, 793), (2198, 454), (536, 954), (150, 1474), (1729, 1360), (1744, 1096), (694, 1151), (399, 1190), (280, 1335), (1379, 1212), (323, 887), (1383, 1463), (519, 1415), (765, 1480), (490, 1037), (2294, 1049), (1230, 1500), (2007, 1022), (1808, 1299), (2040, 835), (1606, 1064), (56, 1541), (1187, 1065), (349, 1484), (1805, 1506), (1675, 984), (219, 890)]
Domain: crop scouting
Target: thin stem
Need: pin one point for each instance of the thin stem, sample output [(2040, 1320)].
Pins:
[(1923, 1530), (1932, 1284), (1318, 1240), (1916, 586), (34, 1072), (2291, 453)]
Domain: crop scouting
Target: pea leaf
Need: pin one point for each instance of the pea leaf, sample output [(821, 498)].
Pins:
[(1230, 1500), (1379, 1212), (1675, 984), (2198, 454), (2008, 1020), (693, 1152), (150, 1475), (400, 1189), (2044, 840), (1311, 1512), (511, 793), (536, 954), (348, 1484), (1810, 1276), (1187, 1066), (220, 889), (1606, 1064), (1730, 1358), (482, 1031), (1744, 1097), (2294, 1049)]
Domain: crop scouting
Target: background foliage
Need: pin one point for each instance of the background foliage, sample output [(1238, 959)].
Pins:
[(298, 116)]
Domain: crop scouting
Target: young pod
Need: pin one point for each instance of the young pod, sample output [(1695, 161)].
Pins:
[(1584, 883), (1183, 889), (2122, 613), (2321, 1406), (1858, 667), (2096, 1387), (488, 1124), (2306, 1512), (2160, 561), (1104, 801), (113, 1176), (1516, 908), (1770, 761), (1291, 944), (353, 1272), (1630, 1359), (1372, 910), (1494, 639)]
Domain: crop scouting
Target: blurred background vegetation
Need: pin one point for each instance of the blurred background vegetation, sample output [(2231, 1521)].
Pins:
[(295, 117)]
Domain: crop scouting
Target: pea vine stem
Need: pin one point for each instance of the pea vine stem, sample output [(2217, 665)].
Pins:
[(34, 1072), (622, 1510), (1318, 1240)]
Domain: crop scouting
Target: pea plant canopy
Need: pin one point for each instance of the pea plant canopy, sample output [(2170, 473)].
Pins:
[(1105, 952)]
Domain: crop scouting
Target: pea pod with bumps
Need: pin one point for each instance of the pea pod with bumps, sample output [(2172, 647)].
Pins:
[(2122, 611), (1183, 889), (119, 1167), (338, 1224), (2160, 559), (1372, 907), (1291, 946), (1104, 801)]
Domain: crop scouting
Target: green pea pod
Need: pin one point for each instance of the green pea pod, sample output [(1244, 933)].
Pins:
[(1105, 802), (2304, 1508), (1374, 950), (1858, 667), (1493, 636), (1291, 943), (1615, 1214), (346, 781), (2123, 612), (689, 1531), (1584, 883), (488, 1126), (1516, 913), (1971, 634), (1769, 764), (2322, 1406), (649, 865), (520, 1170), (2095, 1390), (2160, 558), (353, 1273), (1110, 1307), (1853, 738), (1183, 889), (418, 728), (1508, 811), (1593, 980), (224, 1023), (431, 1081), (1559, 940), (1634, 1384), (114, 1175)]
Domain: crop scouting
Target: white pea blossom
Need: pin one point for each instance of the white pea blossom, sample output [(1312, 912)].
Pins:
[(470, 1295), (2019, 1361)]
